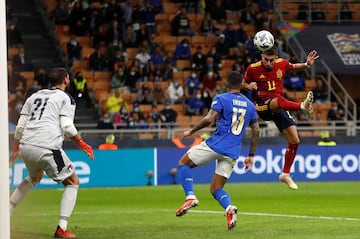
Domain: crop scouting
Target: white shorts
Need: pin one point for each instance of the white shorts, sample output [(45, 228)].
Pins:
[(202, 154), (55, 163)]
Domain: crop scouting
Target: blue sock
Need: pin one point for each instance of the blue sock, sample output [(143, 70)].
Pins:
[(222, 197), (186, 179)]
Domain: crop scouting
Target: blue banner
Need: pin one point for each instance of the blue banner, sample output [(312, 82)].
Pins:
[(111, 168), (312, 163), (128, 167)]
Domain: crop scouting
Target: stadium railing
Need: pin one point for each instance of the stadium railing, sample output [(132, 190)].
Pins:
[(267, 130)]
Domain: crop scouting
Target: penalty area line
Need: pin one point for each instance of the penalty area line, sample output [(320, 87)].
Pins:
[(281, 215)]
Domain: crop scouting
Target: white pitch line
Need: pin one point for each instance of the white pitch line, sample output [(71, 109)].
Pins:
[(282, 215), (196, 211)]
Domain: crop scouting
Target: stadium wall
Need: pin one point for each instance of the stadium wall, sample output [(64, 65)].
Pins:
[(129, 167)]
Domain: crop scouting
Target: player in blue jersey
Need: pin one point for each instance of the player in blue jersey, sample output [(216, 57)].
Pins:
[(233, 113)]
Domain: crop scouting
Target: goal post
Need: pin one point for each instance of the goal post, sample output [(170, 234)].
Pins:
[(4, 129)]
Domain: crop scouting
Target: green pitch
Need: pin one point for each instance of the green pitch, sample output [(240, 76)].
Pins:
[(266, 211)]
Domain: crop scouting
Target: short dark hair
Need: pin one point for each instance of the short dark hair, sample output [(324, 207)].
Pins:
[(234, 78), (272, 51), (57, 75)]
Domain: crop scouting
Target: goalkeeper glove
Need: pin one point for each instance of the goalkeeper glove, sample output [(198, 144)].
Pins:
[(14, 154), (86, 148)]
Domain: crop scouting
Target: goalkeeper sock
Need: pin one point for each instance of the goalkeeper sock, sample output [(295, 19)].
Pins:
[(67, 204), (222, 197), (186, 180), (20, 192)]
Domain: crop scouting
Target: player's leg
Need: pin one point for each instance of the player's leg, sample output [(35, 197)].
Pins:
[(282, 103), (292, 137), (185, 173), (60, 169), (198, 155), (67, 205), (23, 188), (287, 126), (275, 105), (186, 179), (31, 156), (223, 171)]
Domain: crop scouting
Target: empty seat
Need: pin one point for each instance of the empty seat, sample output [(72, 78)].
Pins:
[(86, 52), (80, 65), (310, 84), (100, 86), (102, 95), (162, 18), (183, 121), (102, 75), (145, 108), (170, 7), (132, 52), (29, 76), (211, 41), (183, 64), (198, 40)]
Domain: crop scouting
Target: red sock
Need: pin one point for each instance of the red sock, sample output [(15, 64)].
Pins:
[(288, 105), (289, 157)]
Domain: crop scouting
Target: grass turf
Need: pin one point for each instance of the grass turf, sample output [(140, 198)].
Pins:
[(266, 211)]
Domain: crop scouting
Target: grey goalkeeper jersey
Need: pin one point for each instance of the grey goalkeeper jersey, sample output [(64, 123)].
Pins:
[(43, 110)]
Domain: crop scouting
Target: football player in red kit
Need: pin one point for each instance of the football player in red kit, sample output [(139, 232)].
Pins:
[(265, 79)]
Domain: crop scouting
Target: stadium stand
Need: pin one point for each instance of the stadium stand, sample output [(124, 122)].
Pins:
[(98, 82)]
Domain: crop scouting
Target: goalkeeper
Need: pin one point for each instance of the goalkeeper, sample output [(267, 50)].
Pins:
[(45, 118)]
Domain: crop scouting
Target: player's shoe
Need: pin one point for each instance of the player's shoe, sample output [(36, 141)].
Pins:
[(60, 233), (189, 203), (231, 216), (307, 103), (286, 178)]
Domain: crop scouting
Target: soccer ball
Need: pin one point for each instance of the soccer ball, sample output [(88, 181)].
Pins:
[(263, 40)]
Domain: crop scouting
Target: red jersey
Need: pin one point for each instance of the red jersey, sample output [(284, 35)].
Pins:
[(269, 82)]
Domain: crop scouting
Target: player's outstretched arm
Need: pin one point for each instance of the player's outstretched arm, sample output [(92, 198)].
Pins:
[(204, 122), (311, 57)]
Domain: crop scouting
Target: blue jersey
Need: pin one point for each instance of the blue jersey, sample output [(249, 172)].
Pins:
[(236, 112)]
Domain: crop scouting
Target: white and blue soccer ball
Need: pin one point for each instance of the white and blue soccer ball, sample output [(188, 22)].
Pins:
[(263, 40)]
